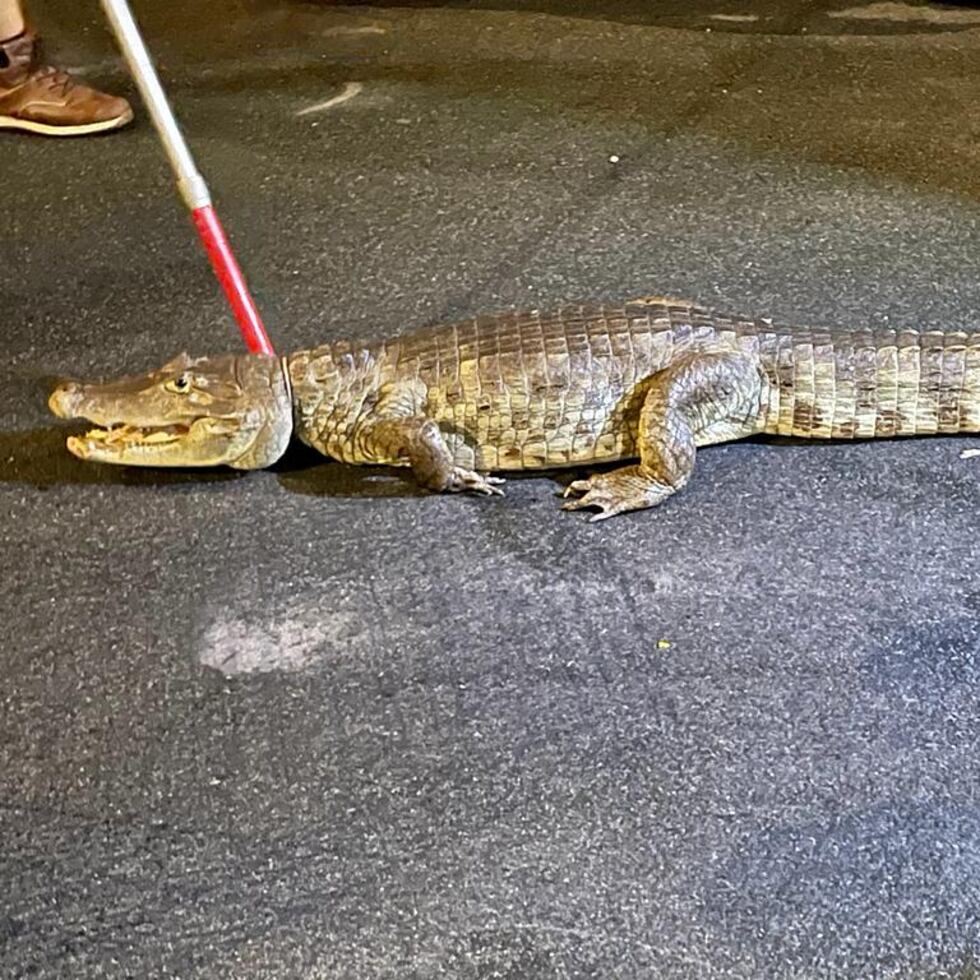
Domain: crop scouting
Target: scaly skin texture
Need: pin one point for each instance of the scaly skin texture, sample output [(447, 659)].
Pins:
[(653, 380)]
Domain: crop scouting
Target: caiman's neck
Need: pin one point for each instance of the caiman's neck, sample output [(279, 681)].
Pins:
[(330, 387)]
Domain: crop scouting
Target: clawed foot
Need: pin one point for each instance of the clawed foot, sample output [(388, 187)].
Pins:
[(594, 496), (615, 493), (462, 479)]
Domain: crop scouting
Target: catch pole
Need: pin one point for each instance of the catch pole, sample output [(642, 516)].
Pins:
[(190, 183)]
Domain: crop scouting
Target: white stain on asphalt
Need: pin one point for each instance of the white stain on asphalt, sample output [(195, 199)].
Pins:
[(342, 31), (908, 12), (97, 67), (345, 95), (736, 18), (297, 639)]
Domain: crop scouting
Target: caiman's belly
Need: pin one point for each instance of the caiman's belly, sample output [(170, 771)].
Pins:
[(514, 432)]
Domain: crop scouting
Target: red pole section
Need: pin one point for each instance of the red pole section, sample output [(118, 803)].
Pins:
[(189, 181), (231, 279)]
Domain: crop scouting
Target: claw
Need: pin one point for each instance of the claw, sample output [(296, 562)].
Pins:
[(614, 493), (606, 509), (594, 498), (463, 479), (577, 486)]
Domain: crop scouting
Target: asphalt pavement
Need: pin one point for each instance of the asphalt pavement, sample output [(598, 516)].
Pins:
[(310, 722)]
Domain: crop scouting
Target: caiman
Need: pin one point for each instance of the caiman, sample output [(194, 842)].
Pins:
[(649, 380)]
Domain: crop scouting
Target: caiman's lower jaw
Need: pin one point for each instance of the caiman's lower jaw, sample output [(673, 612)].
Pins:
[(123, 438), (193, 444)]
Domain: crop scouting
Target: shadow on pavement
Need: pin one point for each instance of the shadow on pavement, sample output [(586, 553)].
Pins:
[(305, 471), (852, 17), (38, 457)]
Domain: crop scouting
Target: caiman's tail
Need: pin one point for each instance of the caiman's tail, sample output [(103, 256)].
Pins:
[(843, 384)]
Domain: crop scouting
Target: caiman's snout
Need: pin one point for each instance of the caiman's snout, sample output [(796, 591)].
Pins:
[(65, 400), (206, 411)]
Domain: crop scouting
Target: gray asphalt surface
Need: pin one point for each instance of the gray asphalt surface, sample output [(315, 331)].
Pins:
[(312, 723)]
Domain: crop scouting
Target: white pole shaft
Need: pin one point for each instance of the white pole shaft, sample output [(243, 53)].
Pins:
[(189, 181)]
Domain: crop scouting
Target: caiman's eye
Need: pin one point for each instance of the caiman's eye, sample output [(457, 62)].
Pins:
[(181, 384)]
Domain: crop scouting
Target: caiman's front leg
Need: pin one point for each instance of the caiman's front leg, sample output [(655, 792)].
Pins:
[(419, 441), (698, 400), (398, 432)]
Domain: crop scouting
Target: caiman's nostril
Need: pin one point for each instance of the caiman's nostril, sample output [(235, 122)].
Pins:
[(64, 399)]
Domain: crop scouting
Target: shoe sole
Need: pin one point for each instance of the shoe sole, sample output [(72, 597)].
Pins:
[(86, 129)]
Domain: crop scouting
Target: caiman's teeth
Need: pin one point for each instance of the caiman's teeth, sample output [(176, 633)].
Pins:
[(128, 435), (160, 436)]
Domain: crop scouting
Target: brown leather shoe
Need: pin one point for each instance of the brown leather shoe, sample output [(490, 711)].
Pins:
[(42, 99)]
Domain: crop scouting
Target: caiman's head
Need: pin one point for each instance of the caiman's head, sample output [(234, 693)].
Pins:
[(206, 411)]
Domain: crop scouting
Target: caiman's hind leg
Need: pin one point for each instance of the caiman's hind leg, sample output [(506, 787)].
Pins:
[(698, 400)]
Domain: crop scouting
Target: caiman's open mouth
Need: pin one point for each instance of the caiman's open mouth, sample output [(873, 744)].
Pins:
[(124, 439), (129, 435)]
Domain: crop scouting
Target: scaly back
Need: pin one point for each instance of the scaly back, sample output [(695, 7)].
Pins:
[(541, 389)]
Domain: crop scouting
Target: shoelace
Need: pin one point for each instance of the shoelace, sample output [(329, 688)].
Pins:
[(55, 78)]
